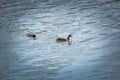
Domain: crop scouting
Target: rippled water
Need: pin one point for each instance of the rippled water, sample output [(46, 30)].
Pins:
[(93, 55)]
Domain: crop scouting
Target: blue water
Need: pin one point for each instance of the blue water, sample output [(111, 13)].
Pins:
[(93, 55)]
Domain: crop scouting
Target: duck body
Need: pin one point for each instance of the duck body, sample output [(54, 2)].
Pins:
[(32, 35), (63, 39)]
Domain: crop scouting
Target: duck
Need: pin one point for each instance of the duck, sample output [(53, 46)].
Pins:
[(32, 35), (59, 40)]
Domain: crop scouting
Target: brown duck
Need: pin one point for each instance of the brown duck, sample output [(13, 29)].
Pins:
[(59, 40)]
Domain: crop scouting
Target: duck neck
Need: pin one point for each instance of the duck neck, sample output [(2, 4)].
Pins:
[(68, 38)]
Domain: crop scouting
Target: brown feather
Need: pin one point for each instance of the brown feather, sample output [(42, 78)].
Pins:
[(63, 39)]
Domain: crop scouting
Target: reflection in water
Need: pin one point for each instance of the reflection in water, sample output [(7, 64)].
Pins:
[(93, 55)]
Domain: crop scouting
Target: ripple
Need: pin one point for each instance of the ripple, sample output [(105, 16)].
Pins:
[(94, 26)]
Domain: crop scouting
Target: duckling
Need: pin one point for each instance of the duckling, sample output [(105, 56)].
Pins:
[(59, 40), (32, 35)]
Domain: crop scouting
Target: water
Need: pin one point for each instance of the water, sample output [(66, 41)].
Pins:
[(93, 54)]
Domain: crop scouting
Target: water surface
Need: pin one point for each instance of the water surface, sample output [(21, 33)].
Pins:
[(93, 54)]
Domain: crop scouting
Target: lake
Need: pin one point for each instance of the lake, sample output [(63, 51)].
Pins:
[(94, 53)]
